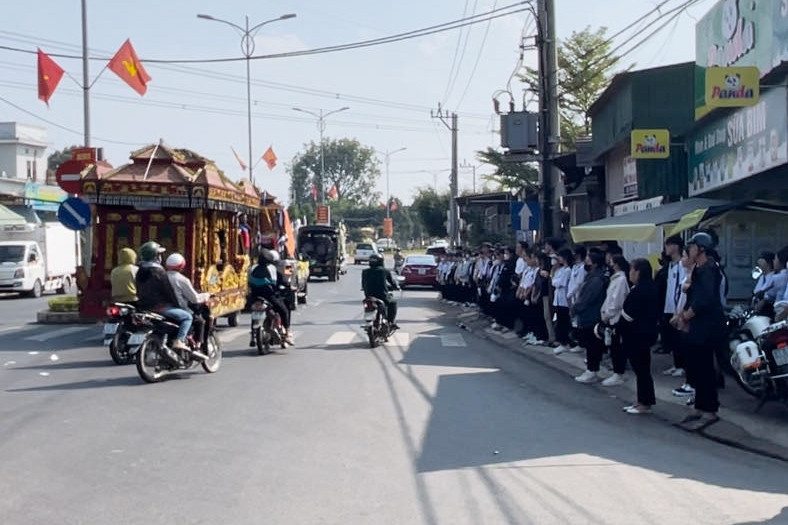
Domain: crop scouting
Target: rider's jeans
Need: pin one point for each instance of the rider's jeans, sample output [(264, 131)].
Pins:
[(183, 318)]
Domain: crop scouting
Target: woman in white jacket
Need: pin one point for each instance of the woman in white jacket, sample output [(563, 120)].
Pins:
[(617, 292)]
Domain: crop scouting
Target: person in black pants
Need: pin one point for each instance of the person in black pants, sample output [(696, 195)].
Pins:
[(706, 321), (638, 329), (587, 312)]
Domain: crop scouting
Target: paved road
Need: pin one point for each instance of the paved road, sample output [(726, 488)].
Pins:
[(437, 427)]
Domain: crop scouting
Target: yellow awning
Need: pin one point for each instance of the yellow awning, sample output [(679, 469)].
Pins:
[(689, 220), (614, 232)]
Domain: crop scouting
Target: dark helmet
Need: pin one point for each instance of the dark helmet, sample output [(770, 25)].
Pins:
[(702, 240), (375, 260), (150, 251)]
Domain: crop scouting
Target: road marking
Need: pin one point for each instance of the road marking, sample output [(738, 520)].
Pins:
[(453, 340), (402, 339), (9, 328), (9, 363), (56, 333), (341, 338)]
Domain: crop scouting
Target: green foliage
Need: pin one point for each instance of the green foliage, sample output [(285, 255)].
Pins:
[(585, 63), (349, 166), (509, 175), (430, 208), (64, 304), (59, 157)]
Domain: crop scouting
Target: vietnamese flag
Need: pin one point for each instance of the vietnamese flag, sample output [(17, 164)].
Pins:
[(128, 67), (239, 159), (332, 192), (49, 75), (270, 158)]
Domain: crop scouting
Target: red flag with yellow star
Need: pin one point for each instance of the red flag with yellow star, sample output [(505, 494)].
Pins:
[(128, 67), (270, 158), (49, 75)]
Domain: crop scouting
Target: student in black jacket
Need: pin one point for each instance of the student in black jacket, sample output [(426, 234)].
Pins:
[(638, 328)]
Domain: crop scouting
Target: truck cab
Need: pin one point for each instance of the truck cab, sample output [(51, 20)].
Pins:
[(324, 248)]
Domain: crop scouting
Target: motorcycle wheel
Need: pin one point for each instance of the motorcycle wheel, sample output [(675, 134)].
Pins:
[(743, 378), (118, 350), (149, 360), (214, 351), (373, 341), (262, 347)]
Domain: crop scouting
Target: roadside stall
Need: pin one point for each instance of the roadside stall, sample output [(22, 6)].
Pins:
[(184, 202)]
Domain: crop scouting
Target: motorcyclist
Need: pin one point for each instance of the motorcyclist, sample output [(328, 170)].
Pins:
[(183, 288), (377, 282), (155, 293), (399, 259), (124, 289), (264, 281)]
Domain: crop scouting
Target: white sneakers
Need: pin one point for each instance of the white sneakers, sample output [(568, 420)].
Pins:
[(560, 349), (577, 349), (587, 377), (673, 371), (614, 380)]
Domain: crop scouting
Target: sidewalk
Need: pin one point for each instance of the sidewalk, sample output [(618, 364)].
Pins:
[(765, 432)]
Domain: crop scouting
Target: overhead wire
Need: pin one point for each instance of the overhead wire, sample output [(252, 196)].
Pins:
[(456, 54), (478, 59), (462, 53)]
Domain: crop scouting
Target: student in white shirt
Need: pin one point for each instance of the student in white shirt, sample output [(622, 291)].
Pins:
[(669, 280), (765, 282), (617, 292), (561, 276)]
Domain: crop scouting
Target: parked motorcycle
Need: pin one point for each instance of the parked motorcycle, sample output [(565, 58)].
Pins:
[(376, 325), (761, 364), (156, 359), (122, 333), (267, 327)]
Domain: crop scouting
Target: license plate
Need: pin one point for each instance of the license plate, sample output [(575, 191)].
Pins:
[(369, 316), (111, 328), (781, 356), (258, 316), (422, 271), (135, 339), (316, 270)]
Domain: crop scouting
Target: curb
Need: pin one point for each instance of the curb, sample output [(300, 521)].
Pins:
[(667, 410), (50, 317)]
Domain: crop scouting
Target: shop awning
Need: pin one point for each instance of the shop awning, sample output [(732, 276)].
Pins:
[(9, 218), (640, 226)]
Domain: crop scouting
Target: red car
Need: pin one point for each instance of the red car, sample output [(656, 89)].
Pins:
[(419, 270)]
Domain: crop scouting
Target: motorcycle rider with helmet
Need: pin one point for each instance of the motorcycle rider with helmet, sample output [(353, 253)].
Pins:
[(156, 294), (377, 282), (264, 281), (182, 286), (399, 260)]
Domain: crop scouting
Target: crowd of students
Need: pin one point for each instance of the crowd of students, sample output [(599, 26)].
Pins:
[(592, 300)]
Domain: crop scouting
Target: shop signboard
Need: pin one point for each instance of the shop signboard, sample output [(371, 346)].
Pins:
[(739, 33), (749, 141), (43, 197), (650, 144), (732, 87)]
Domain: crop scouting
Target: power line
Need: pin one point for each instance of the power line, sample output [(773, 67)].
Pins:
[(456, 53), (478, 58), (462, 54)]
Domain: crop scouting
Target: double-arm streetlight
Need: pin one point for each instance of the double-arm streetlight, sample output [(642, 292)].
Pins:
[(387, 155), (247, 48), (321, 126)]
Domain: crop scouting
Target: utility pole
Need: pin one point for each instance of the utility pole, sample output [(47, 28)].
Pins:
[(85, 75), (454, 215), (551, 182), (387, 156), (466, 165)]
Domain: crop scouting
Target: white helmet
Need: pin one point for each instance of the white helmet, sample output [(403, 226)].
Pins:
[(270, 255), (175, 261)]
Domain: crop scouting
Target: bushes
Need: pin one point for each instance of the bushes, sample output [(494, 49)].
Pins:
[(64, 304)]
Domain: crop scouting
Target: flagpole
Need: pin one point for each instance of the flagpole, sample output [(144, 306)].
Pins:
[(85, 74)]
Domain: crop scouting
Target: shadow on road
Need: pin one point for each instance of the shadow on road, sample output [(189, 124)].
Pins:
[(81, 385)]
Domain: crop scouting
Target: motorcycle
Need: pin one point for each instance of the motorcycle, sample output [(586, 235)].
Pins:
[(376, 324), (761, 364), (399, 262), (267, 328), (155, 359), (122, 333)]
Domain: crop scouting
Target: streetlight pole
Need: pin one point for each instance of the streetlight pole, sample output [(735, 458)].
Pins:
[(387, 155), (321, 127), (247, 48)]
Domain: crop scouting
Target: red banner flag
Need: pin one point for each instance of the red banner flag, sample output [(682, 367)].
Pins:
[(128, 67), (313, 192), (49, 75), (332, 192), (393, 206), (270, 157), (238, 158)]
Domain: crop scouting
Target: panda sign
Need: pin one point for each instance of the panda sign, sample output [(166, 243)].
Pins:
[(650, 144), (732, 87)]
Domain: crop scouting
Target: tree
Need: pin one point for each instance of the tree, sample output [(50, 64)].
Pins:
[(351, 168), (585, 63), (509, 175), (430, 208), (59, 157)]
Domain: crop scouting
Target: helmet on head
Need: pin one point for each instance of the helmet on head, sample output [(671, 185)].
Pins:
[(175, 261), (375, 260), (150, 251), (269, 255), (702, 240)]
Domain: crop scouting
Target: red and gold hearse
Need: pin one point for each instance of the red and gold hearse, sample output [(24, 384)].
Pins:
[(184, 202)]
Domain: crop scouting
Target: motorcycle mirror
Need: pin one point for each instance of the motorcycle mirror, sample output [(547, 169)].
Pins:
[(756, 273)]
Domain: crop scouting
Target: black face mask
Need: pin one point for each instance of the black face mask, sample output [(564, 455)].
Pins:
[(587, 267)]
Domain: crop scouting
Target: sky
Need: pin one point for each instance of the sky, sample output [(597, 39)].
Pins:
[(390, 89)]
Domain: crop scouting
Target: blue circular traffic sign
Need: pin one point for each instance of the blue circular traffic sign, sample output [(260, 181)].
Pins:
[(74, 213)]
